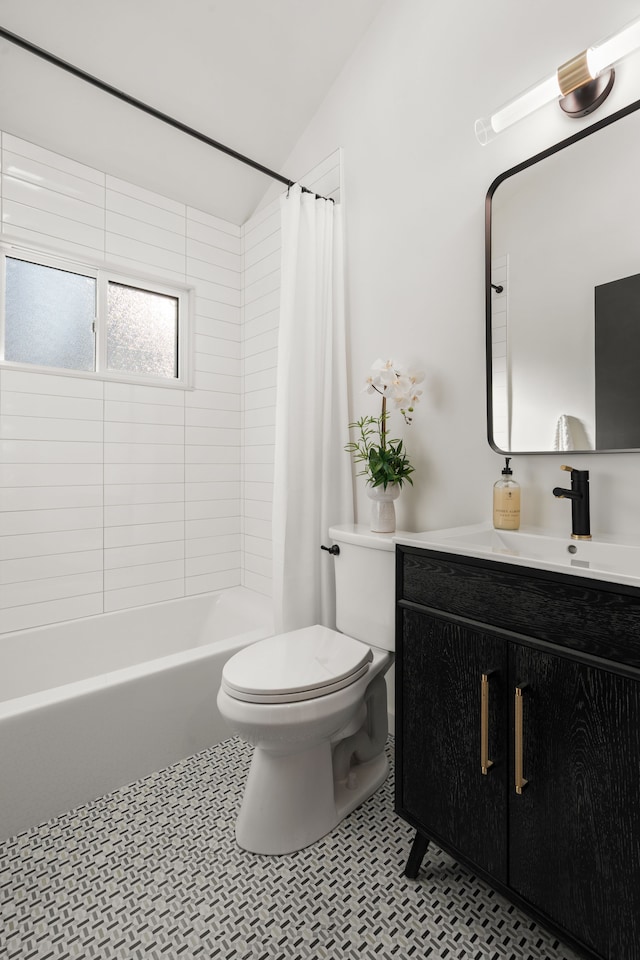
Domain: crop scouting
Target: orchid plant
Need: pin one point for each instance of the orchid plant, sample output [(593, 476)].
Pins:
[(385, 460)]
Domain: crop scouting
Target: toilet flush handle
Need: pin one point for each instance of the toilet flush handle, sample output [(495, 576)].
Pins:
[(333, 550)]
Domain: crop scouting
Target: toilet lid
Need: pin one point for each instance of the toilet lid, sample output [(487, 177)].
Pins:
[(300, 665)]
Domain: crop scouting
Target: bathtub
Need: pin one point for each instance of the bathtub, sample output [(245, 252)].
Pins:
[(90, 705)]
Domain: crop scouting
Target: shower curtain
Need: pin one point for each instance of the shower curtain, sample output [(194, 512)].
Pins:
[(312, 475)]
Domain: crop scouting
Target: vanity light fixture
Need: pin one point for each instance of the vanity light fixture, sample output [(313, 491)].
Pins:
[(581, 84)]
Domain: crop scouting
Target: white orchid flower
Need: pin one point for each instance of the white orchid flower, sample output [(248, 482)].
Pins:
[(382, 365), (389, 379), (400, 386)]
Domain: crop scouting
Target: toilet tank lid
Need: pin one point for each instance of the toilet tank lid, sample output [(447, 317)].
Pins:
[(362, 536)]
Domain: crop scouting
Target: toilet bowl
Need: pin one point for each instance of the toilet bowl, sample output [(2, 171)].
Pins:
[(313, 705)]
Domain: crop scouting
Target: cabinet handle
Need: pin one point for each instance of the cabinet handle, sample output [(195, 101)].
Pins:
[(485, 763), (520, 782)]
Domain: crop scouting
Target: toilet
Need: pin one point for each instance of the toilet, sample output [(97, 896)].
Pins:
[(313, 704)]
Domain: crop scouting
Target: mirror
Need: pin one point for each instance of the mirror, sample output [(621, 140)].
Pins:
[(563, 295)]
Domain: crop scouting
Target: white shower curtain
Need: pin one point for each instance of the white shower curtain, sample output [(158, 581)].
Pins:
[(312, 476)]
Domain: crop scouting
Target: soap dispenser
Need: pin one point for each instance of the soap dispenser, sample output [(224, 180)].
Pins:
[(506, 501)]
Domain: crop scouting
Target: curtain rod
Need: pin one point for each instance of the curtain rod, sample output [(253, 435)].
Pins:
[(151, 111)]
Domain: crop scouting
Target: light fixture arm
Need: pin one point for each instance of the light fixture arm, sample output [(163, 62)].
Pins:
[(574, 73)]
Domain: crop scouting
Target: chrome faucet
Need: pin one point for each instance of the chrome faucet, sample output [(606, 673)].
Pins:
[(579, 496)]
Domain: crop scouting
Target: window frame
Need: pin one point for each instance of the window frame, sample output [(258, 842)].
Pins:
[(105, 273)]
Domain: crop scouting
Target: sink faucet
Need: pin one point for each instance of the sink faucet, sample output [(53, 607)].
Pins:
[(579, 496)]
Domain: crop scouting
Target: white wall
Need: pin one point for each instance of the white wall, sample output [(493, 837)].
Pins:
[(115, 495), (415, 182)]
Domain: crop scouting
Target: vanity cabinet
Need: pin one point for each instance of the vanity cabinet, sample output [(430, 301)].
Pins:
[(518, 737)]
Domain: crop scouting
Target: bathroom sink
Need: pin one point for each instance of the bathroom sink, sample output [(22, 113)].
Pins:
[(600, 558)]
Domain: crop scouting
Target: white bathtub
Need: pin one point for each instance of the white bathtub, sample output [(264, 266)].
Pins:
[(89, 705)]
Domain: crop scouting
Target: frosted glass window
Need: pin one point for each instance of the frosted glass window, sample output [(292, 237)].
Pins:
[(49, 316), (142, 331), (94, 321)]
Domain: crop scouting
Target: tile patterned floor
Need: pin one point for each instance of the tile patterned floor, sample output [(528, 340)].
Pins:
[(152, 872)]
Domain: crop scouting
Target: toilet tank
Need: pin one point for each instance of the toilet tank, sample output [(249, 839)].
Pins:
[(365, 584)]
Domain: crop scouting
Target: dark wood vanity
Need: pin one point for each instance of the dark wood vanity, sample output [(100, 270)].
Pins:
[(518, 737)]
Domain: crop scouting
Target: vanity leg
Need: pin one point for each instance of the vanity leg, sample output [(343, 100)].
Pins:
[(418, 850)]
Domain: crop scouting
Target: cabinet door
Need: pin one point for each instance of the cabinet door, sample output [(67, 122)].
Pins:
[(443, 786), (575, 829)]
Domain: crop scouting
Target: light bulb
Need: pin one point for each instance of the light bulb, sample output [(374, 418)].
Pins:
[(532, 99), (604, 54)]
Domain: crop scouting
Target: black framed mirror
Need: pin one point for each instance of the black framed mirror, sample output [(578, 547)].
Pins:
[(562, 250)]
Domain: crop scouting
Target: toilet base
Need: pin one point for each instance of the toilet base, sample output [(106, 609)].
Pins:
[(362, 782), (291, 800)]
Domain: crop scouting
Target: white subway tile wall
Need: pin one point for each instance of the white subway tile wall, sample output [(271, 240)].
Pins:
[(115, 495)]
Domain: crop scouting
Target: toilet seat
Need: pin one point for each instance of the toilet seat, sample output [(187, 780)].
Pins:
[(300, 665)]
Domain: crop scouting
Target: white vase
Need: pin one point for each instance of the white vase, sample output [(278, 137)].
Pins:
[(383, 511)]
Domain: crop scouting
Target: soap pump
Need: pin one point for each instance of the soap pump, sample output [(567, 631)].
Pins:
[(506, 501)]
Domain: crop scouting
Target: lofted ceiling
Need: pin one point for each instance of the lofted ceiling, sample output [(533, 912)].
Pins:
[(247, 73)]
